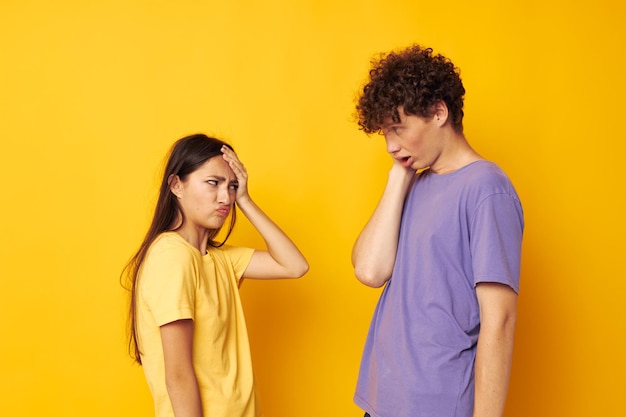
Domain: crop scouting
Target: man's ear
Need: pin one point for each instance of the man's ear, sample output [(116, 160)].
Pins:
[(440, 113), (176, 185)]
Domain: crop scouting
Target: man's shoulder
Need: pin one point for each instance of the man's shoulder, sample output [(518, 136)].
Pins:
[(484, 173)]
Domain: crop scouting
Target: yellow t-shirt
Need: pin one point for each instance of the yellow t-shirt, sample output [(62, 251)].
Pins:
[(177, 282)]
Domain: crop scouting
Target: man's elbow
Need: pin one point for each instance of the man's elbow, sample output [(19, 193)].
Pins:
[(371, 278), (502, 325), (509, 320)]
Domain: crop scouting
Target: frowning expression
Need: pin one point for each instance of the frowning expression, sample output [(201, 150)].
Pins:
[(206, 196)]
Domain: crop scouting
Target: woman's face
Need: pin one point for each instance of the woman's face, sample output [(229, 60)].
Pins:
[(207, 195)]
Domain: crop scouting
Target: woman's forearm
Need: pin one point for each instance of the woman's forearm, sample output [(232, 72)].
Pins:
[(286, 259), (180, 377)]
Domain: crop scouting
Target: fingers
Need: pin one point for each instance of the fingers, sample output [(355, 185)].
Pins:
[(240, 172), (234, 162), (228, 153)]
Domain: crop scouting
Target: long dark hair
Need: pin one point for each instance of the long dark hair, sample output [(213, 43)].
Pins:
[(186, 156)]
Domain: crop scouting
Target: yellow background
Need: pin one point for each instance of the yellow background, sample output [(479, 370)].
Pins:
[(92, 94)]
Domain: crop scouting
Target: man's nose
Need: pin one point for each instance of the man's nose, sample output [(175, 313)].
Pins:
[(392, 147)]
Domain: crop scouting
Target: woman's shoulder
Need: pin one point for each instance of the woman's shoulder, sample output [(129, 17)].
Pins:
[(231, 254), (173, 245), (229, 250)]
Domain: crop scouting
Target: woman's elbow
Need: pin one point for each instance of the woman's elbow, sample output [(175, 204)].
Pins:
[(298, 271), (179, 379), (304, 268)]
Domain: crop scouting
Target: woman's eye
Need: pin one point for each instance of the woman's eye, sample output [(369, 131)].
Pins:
[(212, 182), (234, 186)]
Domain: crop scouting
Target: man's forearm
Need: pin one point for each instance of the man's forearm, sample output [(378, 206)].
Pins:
[(494, 353), (374, 252)]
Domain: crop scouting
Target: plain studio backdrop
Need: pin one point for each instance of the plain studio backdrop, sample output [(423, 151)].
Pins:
[(92, 95)]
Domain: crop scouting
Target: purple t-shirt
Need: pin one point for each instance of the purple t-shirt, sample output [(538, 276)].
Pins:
[(457, 230)]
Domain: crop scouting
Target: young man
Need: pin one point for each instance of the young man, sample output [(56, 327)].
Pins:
[(446, 239)]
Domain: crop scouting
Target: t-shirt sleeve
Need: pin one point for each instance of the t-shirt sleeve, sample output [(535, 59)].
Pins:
[(168, 282), (240, 258), (496, 239)]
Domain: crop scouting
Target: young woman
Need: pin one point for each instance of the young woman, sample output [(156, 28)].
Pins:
[(187, 327)]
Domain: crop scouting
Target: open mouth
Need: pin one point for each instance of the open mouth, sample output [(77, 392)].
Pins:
[(404, 160)]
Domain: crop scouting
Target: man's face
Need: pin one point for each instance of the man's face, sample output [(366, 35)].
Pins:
[(412, 141)]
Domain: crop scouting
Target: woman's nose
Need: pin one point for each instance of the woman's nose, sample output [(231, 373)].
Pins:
[(223, 195)]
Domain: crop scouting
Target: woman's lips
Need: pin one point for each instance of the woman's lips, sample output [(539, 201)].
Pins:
[(223, 211)]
